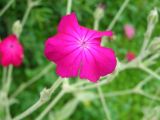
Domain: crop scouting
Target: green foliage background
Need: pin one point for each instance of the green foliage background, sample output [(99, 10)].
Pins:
[(42, 23)]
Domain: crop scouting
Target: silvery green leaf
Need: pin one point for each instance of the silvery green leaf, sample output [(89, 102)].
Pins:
[(67, 110), (86, 96), (51, 116)]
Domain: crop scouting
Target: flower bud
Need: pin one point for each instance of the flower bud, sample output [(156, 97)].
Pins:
[(99, 12), (17, 28), (130, 56), (152, 20), (153, 16)]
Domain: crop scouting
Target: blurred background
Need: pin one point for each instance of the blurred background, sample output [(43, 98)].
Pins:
[(42, 23)]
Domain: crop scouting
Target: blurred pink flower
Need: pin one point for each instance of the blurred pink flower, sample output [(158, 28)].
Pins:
[(130, 56), (129, 31), (11, 51), (76, 50)]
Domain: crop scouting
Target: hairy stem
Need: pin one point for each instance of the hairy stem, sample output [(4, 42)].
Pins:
[(119, 93), (4, 75), (6, 91), (69, 7), (9, 79), (23, 86), (102, 98), (50, 106), (96, 24), (149, 71), (145, 81), (45, 96), (26, 14), (118, 14), (34, 107), (146, 40), (6, 7)]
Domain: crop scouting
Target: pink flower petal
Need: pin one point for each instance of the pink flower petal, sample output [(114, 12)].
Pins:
[(59, 46), (97, 61), (64, 55), (91, 34), (69, 24)]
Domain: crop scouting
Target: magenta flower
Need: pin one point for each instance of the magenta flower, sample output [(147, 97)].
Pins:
[(129, 31), (76, 51), (130, 56), (11, 51)]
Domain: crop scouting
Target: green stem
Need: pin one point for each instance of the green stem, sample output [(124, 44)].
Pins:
[(152, 97), (149, 71), (50, 106), (118, 14), (4, 75), (96, 24), (69, 7), (6, 91), (23, 86), (55, 85), (28, 10), (119, 93), (45, 96), (38, 104), (132, 91), (9, 79), (31, 4), (146, 80), (102, 82), (6, 7), (146, 40), (106, 110)]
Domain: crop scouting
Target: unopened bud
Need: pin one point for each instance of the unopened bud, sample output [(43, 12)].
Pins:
[(152, 20), (99, 12), (32, 3), (153, 16), (17, 28)]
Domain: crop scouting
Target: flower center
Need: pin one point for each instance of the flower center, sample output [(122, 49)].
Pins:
[(83, 44), (11, 46)]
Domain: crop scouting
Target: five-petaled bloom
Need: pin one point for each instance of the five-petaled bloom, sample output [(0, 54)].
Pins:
[(129, 31), (11, 51), (76, 50)]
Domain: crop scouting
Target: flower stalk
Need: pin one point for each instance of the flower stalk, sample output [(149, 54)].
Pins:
[(44, 97), (69, 7), (35, 78), (6, 7)]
